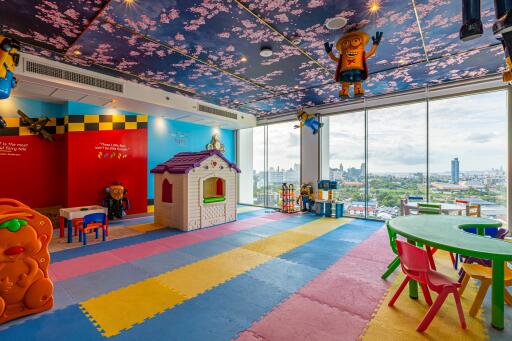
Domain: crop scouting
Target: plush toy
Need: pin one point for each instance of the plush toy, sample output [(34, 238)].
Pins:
[(9, 59), (502, 28), (115, 201), (309, 120), (352, 68)]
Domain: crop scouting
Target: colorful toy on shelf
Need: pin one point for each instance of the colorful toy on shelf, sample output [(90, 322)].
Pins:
[(116, 201), (502, 28), (306, 197), (37, 127), (288, 198), (195, 190), (352, 68), (9, 59), (309, 120), (25, 287)]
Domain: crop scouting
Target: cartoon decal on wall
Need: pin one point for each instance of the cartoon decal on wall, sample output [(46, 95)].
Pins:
[(116, 201), (309, 120), (215, 144), (9, 59), (502, 28), (37, 127), (352, 68), (3, 124)]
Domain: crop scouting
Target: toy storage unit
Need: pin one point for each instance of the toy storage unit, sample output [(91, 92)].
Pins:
[(195, 190)]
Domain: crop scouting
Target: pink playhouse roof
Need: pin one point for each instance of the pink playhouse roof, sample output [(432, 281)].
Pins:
[(183, 163)]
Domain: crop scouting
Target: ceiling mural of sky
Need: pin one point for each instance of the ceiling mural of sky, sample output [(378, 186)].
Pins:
[(209, 49)]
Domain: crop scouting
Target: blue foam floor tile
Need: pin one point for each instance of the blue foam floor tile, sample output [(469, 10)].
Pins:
[(206, 249), (284, 274), (100, 282), (65, 324), (238, 239), (163, 262), (314, 256), (218, 314)]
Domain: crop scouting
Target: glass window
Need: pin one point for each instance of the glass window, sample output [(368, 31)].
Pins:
[(283, 159), (397, 157), (346, 160), (251, 163), (468, 151)]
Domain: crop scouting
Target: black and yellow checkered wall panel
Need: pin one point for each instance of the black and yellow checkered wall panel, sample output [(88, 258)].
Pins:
[(74, 123)]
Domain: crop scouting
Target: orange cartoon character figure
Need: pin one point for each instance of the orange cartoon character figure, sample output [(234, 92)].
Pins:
[(352, 68), (25, 287)]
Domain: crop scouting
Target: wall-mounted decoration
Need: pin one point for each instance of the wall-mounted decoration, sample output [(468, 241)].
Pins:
[(3, 124), (215, 144), (36, 127)]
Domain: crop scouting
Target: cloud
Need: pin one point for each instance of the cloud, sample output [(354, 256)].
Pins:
[(481, 137)]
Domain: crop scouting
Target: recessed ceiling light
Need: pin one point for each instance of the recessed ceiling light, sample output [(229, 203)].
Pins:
[(243, 59), (77, 53), (335, 23), (181, 85), (129, 2), (296, 87), (266, 51), (374, 6)]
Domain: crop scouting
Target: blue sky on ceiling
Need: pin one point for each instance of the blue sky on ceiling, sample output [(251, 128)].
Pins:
[(195, 47)]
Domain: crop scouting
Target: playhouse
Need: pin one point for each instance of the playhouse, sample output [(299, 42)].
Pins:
[(195, 190)]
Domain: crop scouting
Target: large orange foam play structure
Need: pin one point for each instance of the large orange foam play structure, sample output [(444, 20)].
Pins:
[(25, 287)]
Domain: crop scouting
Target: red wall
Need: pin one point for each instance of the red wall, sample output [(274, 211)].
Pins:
[(89, 172), (33, 170)]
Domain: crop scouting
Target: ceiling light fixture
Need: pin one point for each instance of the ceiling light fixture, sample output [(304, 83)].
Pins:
[(129, 2), (243, 59), (296, 87), (336, 23), (266, 51), (77, 53), (374, 6)]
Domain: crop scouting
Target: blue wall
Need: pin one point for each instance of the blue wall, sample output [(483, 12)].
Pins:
[(31, 107), (168, 137)]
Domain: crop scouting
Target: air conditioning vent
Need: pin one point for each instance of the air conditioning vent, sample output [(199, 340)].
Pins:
[(76, 77), (218, 112)]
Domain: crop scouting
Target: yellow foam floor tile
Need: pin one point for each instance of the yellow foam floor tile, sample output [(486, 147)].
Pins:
[(400, 322), (146, 227), (322, 226), (125, 307)]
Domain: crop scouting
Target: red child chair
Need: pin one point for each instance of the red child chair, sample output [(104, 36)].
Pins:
[(415, 265), (94, 221)]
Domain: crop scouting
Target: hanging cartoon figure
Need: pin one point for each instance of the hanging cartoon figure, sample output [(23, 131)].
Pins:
[(115, 201), (9, 59), (352, 68), (472, 27), (309, 120)]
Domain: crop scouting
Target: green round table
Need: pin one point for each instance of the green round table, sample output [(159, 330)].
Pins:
[(445, 232)]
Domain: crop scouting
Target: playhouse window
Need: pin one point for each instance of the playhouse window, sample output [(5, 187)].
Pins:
[(214, 190), (167, 191)]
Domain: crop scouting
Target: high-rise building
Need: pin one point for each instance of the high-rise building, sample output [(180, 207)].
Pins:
[(455, 170)]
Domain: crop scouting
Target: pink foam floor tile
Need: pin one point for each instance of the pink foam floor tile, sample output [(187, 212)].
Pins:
[(356, 296), (357, 268), (300, 318), (82, 265), (137, 251)]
